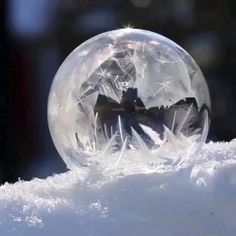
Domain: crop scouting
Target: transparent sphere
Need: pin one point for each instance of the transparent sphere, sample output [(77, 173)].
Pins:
[(128, 90)]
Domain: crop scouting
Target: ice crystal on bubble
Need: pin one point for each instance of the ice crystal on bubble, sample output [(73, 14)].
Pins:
[(128, 90)]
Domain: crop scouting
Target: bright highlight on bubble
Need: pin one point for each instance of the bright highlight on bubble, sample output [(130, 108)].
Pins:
[(128, 91)]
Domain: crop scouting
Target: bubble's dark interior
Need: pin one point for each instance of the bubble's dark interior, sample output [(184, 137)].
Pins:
[(133, 114)]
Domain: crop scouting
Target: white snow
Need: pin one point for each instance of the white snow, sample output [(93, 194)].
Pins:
[(196, 198)]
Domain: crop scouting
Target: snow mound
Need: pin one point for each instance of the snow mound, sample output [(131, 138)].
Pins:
[(197, 197)]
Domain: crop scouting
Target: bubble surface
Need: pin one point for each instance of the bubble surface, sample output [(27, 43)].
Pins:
[(128, 90)]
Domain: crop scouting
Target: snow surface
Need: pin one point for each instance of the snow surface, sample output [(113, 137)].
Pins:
[(196, 198)]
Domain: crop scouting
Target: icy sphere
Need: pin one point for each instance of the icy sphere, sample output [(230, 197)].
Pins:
[(128, 91)]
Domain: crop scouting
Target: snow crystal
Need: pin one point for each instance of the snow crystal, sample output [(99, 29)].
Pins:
[(197, 198)]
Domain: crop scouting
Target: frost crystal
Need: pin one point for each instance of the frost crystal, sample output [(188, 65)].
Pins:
[(125, 90)]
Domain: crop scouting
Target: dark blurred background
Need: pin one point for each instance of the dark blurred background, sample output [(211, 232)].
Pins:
[(37, 35)]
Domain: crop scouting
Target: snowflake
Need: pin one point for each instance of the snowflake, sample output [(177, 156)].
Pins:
[(104, 73), (165, 85)]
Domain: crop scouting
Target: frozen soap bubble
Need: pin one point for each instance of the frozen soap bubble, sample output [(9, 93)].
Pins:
[(128, 91)]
